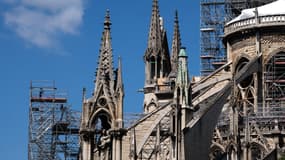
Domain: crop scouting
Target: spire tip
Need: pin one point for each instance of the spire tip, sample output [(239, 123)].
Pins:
[(107, 22)]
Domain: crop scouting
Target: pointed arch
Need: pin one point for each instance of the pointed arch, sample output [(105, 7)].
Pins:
[(239, 64), (240, 58), (274, 77), (102, 93), (249, 95), (217, 151), (231, 147), (151, 106), (152, 66), (258, 150), (273, 53), (101, 113)]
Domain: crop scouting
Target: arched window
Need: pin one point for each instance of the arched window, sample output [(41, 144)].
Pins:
[(244, 91), (151, 107), (239, 66), (158, 63), (257, 151), (101, 124), (152, 67), (274, 78)]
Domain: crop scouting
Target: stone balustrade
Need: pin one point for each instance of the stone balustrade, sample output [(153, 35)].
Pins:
[(262, 21)]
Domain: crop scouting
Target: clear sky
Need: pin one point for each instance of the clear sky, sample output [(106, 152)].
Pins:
[(60, 40)]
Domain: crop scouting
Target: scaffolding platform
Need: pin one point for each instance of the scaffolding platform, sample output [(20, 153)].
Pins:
[(53, 125), (50, 100), (207, 56), (219, 63), (207, 29)]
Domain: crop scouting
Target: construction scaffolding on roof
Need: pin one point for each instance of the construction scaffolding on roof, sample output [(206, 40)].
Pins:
[(53, 126), (234, 7), (214, 14)]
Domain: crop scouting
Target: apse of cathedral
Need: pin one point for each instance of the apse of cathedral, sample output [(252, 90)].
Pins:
[(235, 113)]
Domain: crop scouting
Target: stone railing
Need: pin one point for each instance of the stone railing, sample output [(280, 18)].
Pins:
[(271, 20)]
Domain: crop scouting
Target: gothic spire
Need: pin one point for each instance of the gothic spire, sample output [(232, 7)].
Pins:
[(105, 76), (156, 57), (176, 44), (105, 64), (155, 33), (119, 85)]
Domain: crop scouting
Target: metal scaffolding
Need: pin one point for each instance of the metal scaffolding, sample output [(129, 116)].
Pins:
[(214, 14), (53, 126), (211, 32), (234, 7)]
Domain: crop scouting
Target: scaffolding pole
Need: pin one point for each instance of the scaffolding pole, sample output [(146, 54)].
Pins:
[(53, 126)]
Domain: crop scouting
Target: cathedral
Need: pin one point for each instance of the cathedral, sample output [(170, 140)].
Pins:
[(235, 113)]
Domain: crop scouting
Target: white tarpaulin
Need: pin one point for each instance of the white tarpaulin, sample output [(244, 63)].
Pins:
[(274, 8)]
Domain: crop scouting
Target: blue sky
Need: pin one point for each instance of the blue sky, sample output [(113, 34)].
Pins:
[(60, 40)]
